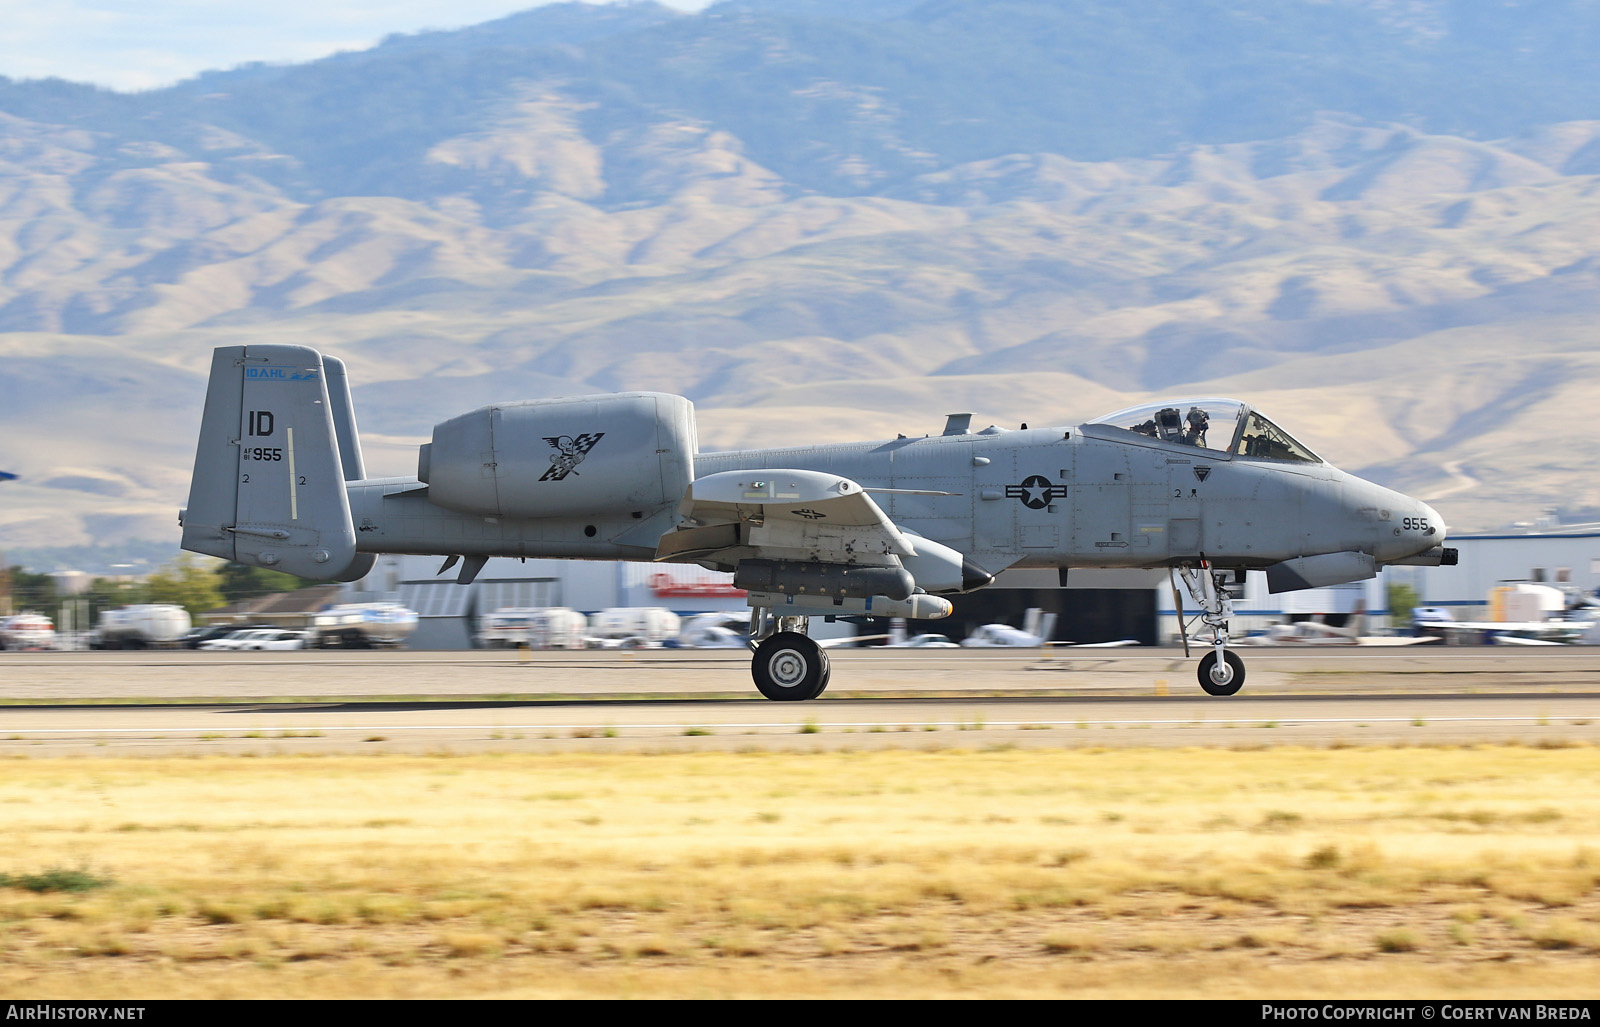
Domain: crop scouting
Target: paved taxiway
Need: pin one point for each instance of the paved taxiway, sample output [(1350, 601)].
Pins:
[(125, 703)]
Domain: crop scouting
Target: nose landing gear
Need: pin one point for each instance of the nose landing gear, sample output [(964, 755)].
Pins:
[(1220, 672)]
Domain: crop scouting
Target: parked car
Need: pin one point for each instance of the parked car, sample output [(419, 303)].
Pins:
[(276, 638), (235, 639), (27, 631), (928, 641), (196, 637)]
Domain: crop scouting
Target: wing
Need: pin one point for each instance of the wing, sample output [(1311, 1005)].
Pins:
[(782, 514)]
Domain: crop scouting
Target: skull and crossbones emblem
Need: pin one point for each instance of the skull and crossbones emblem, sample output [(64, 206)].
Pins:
[(569, 453)]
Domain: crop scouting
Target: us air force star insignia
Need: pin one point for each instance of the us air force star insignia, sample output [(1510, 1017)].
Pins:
[(1202, 472), (569, 453), (808, 513), (1036, 491)]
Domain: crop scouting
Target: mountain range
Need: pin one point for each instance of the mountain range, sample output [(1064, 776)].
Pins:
[(1379, 220)]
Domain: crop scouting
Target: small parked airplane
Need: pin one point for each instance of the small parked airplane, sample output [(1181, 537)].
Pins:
[(1035, 632), (1315, 633), (1318, 632), (724, 630)]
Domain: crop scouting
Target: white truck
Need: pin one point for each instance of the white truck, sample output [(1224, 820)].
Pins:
[(144, 626), (27, 631), (363, 626), (533, 627), (633, 627)]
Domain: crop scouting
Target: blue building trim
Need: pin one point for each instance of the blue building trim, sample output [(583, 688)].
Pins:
[(1540, 535)]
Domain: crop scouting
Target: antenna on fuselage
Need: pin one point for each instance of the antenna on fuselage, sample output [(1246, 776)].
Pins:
[(956, 424)]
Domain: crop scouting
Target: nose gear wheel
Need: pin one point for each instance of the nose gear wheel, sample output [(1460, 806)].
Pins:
[(1223, 677)]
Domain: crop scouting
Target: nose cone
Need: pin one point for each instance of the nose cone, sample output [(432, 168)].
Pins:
[(1389, 525), (1437, 529), (1413, 527)]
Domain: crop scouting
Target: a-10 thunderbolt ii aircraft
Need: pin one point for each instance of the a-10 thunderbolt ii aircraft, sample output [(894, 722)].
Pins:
[(1204, 488)]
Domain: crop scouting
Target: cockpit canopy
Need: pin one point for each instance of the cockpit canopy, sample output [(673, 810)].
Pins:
[(1224, 426)]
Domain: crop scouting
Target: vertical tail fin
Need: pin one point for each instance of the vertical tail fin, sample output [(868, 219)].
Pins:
[(268, 487)]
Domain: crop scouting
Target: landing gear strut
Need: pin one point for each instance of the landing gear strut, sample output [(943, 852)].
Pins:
[(787, 666), (1221, 672)]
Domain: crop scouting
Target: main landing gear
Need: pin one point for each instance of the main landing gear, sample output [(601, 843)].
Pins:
[(1221, 672), (787, 666)]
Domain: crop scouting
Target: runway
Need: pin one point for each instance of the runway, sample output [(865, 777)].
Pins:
[(189, 702)]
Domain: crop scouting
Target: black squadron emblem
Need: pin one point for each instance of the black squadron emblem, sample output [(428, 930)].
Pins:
[(569, 453), (1202, 473), (1036, 491)]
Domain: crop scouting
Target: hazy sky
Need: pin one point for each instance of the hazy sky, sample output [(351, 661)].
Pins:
[(140, 44)]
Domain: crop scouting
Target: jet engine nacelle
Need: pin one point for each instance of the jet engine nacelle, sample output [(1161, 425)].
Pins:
[(629, 452)]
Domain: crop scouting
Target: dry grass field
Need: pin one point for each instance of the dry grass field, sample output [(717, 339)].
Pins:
[(1269, 872)]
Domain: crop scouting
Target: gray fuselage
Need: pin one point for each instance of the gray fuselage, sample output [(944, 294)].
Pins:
[(1087, 496)]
